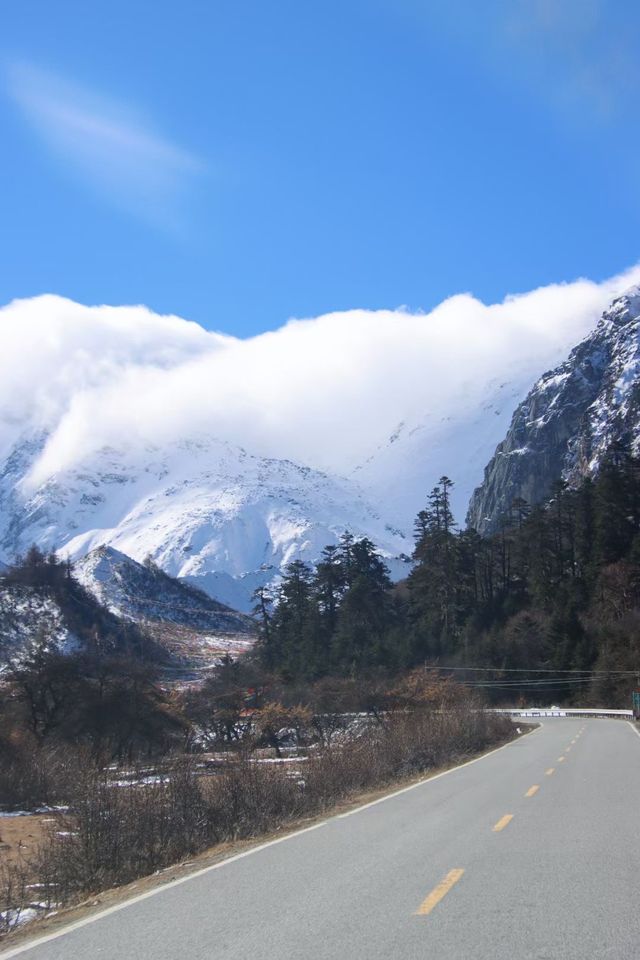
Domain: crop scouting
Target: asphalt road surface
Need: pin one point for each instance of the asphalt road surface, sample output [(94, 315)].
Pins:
[(530, 852)]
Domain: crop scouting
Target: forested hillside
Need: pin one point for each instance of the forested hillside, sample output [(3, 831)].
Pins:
[(74, 673), (548, 607), (43, 604)]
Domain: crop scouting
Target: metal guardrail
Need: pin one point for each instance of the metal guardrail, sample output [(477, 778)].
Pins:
[(563, 712)]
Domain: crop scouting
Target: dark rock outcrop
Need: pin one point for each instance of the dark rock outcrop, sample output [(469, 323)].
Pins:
[(569, 420)]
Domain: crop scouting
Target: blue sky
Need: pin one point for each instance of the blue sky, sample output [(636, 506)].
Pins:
[(239, 163)]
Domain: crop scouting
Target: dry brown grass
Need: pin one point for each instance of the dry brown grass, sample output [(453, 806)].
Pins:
[(21, 837), (114, 834)]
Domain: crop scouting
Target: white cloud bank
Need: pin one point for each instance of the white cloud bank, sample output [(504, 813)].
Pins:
[(324, 391)]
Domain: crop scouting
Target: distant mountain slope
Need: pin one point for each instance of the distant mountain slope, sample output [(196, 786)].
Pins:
[(201, 509), (41, 602), (110, 603), (143, 592), (26, 616), (570, 418), (187, 622), (150, 435), (401, 473)]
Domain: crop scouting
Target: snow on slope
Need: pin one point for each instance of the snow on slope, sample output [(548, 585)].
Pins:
[(25, 617), (201, 509), (570, 418), (224, 459), (459, 438), (143, 592), (195, 629), (402, 472)]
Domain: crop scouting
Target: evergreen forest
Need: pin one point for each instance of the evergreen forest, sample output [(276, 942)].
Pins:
[(547, 607)]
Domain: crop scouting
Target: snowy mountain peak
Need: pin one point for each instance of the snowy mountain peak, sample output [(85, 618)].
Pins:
[(623, 309), (143, 592), (202, 509), (271, 447), (570, 418)]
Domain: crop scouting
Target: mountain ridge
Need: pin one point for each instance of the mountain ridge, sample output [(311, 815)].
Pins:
[(203, 510), (570, 418), (87, 460)]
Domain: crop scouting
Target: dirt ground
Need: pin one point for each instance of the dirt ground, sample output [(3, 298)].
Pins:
[(119, 895), (19, 836)]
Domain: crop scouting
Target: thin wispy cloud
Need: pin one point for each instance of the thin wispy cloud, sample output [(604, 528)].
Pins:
[(579, 56), (580, 51), (106, 145)]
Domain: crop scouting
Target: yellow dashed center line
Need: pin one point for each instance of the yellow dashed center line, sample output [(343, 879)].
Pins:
[(436, 895), (549, 771), (532, 790), (502, 822), (561, 759)]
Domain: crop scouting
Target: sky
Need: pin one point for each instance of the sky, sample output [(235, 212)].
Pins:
[(241, 163)]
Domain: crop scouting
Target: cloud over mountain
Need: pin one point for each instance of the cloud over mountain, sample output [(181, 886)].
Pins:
[(324, 391)]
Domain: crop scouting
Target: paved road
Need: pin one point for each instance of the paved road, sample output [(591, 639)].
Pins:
[(438, 872)]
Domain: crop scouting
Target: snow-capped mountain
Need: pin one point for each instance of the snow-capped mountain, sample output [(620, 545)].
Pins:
[(195, 629), (400, 474), (145, 593), (201, 509), (224, 459), (570, 418)]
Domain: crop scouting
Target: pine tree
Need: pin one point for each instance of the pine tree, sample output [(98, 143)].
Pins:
[(433, 584), (367, 612), (291, 619)]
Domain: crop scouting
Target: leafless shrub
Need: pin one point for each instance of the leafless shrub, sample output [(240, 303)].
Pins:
[(14, 891), (33, 775), (114, 833)]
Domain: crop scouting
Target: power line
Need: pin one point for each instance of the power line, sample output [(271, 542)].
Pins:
[(527, 686), (531, 683), (586, 673)]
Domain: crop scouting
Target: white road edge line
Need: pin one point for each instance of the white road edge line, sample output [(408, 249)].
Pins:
[(24, 948), (633, 726)]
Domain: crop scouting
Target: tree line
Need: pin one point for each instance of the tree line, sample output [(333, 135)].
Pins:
[(548, 605)]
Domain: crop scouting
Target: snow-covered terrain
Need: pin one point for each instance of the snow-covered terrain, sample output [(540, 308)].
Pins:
[(201, 509), (223, 460), (401, 473), (570, 418), (27, 618), (188, 630), (192, 626), (143, 592)]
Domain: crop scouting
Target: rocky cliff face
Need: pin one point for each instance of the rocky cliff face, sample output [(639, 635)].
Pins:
[(570, 418)]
